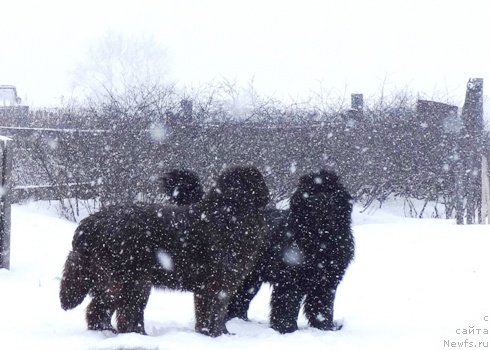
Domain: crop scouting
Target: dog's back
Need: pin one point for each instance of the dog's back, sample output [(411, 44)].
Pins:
[(123, 240)]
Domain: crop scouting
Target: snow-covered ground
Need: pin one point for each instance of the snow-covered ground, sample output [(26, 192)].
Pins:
[(414, 284)]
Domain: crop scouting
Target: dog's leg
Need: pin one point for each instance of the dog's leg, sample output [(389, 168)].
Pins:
[(132, 301), (211, 310), (100, 310), (219, 309), (246, 268), (201, 312), (240, 301), (285, 306), (212, 299), (319, 307)]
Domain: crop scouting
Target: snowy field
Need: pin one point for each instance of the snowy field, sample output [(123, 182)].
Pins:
[(414, 284)]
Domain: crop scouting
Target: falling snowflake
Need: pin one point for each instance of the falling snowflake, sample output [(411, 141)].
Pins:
[(165, 260), (52, 143), (351, 123), (175, 193), (293, 256), (158, 132), (222, 295)]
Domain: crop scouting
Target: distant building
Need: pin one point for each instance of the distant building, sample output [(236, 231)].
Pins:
[(12, 112), (8, 96)]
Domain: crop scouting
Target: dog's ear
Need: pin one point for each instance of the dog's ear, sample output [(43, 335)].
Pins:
[(303, 191), (183, 187), (322, 181), (319, 181), (242, 188), (329, 180)]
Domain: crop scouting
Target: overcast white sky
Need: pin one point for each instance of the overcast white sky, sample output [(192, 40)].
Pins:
[(289, 48)]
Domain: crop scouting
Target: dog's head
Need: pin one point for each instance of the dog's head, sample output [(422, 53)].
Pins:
[(319, 191), (182, 186), (241, 188)]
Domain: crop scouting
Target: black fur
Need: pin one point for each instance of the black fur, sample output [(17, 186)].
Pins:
[(182, 187), (310, 248), (209, 248)]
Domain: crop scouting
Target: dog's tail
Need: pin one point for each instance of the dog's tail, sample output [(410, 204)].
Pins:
[(182, 186), (76, 281)]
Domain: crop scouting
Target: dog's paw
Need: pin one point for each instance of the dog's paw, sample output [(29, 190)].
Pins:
[(213, 333), (284, 328), (329, 326), (102, 327), (336, 325)]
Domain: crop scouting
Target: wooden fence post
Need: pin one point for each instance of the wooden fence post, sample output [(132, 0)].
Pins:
[(459, 193), (5, 203), (357, 102), (472, 147), (443, 127), (485, 191)]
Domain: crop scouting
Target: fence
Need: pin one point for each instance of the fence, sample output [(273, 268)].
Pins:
[(377, 152)]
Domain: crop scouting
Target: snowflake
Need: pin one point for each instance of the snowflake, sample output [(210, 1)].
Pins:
[(165, 260)]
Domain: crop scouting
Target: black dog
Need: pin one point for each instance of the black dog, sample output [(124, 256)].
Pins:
[(208, 248), (310, 248)]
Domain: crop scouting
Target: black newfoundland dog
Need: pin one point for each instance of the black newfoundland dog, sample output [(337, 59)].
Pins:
[(208, 248), (310, 247)]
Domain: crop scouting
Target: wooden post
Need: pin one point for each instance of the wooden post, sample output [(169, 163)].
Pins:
[(357, 102), (5, 203), (472, 147), (186, 111), (459, 194), (485, 191), (443, 127), (356, 110)]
